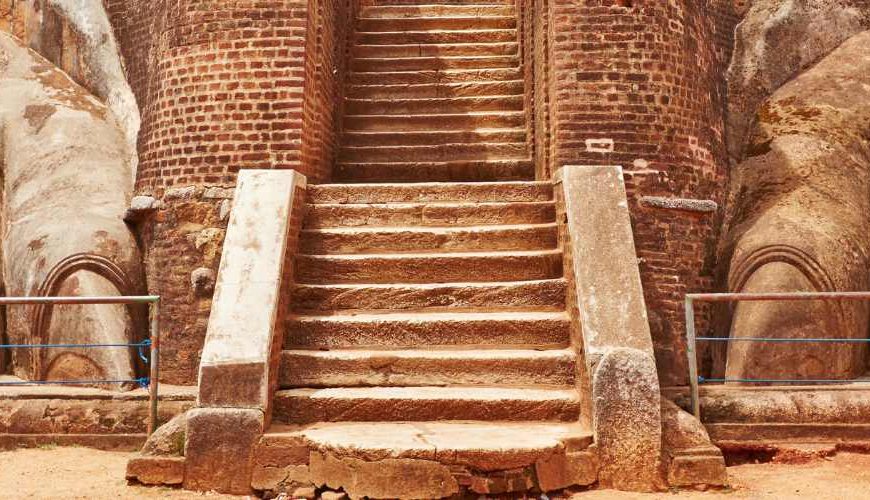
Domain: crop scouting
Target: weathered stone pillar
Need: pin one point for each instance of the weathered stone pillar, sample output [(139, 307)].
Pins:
[(238, 373)]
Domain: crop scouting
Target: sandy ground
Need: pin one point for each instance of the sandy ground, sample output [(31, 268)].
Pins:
[(84, 473)]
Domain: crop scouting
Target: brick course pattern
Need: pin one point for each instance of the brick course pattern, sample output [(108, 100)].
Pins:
[(640, 84), (222, 85)]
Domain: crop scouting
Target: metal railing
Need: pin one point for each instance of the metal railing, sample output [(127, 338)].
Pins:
[(152, 343), (691, 339)]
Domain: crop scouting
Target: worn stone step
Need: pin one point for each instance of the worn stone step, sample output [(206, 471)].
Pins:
[(433, 153), (390, 64), (436, 9), (546, 329), (444, 171), (428, 214), (434, 137), (463, 121), (364, 368), (395, 404), (440, 2), (429, 267), (436, 36), (437, 50), (417, 239), (434, 76), (454, 22), (430, 106), (506, 296), (431, 192), (463, 89)]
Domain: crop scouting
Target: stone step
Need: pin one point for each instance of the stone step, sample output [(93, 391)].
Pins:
[(437, 50), (433, 10), (439, 2), (434, 76), (417, 239), (415, 330), (429, 153), (392, 64), (429, 267), (445, 171), (434, 137), (362, 368), (507, 296), (403, 23), (433, 106), (461, 121), (428, 214), (430, 90), (431, 192), (435, 36), (403, 404)]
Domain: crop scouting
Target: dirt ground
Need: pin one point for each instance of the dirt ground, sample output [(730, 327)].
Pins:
[(85, 473)]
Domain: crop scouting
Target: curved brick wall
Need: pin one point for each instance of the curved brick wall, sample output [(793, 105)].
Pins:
[(640, 84), (222, 85)]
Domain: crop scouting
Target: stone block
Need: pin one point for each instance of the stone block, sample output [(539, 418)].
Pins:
[(707, 470), (220, 442), (287, 478), (627, 420), (246, 322), (156, 470), (562, 470), (168, 439)]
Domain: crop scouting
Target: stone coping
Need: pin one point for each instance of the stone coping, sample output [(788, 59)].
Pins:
[(165, 392)]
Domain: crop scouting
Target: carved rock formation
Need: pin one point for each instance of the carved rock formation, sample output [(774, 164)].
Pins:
[(798, 221), (66, 184)]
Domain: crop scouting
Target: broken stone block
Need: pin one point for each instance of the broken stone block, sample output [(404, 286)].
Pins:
[(202, 281), (168, 439), (156, 470), (562, 470)]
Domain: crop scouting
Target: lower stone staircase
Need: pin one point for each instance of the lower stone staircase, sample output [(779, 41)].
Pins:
[(435, 312)]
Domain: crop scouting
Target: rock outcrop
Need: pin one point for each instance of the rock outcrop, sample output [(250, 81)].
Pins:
[(66, 184), (798, 221), (776, 41)]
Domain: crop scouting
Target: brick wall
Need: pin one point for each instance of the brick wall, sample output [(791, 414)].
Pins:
[(639, 83), (222, 85)]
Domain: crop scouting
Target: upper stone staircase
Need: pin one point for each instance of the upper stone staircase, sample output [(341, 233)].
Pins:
[(429, 284)]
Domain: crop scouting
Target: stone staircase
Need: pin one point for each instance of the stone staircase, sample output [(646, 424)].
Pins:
[(429, 303)]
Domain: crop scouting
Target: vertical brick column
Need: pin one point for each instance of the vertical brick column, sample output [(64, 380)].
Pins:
[(639, 84), (223, 85)]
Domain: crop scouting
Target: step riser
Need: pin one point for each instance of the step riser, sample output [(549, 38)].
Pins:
[(422, 193), (324, 334), (300, 410), (433, 77), (429, 37), (505, 170), (435, 269), (399, 24), (437, 50), (431, 91), (432, 138), (437, 10), (416, 241), (540, 295), (427, 153), (433, 63), (436, 106), (313, 369), (429, 215), (367, 3), (385, 123)]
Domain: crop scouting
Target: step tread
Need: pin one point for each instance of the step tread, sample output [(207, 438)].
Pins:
[(446, 354), (427, 317), (429, 229), (438, 255), (436, 393)]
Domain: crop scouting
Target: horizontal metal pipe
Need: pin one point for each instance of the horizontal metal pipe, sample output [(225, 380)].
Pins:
[(134, 299), (144, 343), (756, 297)]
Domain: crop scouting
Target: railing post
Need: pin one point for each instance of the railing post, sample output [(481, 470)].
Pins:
[(692, 355), (154, 360)]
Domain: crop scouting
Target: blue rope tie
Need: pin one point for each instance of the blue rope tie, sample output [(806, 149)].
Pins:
[(767, 339), (142, 381), (776, 381), (144, 343)]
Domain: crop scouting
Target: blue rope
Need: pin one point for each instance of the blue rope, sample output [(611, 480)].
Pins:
[(144, 343), (142, 381), (776, 381)]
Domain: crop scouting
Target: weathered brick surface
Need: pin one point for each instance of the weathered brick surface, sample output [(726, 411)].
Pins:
[(222, 86), (640, 84)]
